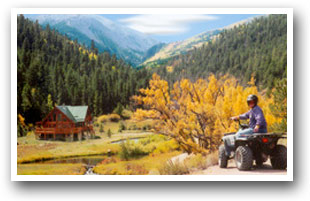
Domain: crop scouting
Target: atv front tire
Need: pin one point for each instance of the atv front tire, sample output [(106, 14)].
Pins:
[(279, 157), (244, 158), (223, 159)]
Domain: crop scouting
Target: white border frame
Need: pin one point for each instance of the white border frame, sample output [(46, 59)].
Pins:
[(267, 177)]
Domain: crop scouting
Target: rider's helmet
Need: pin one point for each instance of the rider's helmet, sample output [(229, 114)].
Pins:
[(252, 97)]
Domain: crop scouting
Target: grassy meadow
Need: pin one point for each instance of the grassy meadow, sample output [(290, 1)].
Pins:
[(142, 156), (30, 150), (51, 169)]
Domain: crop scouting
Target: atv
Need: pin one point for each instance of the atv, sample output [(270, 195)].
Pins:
[(246, 148)]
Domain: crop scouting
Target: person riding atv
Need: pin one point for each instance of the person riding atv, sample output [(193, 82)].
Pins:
[(255, 114), (257, 120), (252, 142)]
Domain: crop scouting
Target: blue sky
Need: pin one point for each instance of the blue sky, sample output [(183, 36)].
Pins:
[(170, 28)]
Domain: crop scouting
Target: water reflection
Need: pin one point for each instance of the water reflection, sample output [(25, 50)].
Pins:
[(124, 140), (88, 160)]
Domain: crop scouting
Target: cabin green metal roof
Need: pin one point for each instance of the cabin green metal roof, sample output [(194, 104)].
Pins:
[(75, 113)]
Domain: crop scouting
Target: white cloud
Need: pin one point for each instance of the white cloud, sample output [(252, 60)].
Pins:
[(164, 24)]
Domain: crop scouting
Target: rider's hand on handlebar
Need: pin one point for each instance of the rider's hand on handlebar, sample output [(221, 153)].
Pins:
[(256, 129), (234, 118)]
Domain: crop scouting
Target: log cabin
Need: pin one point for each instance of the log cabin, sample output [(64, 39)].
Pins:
[(66, 123)]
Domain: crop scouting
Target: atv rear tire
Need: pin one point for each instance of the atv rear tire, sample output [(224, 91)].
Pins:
[(244, 158), (279, 157), (259, 160), (223, 159)]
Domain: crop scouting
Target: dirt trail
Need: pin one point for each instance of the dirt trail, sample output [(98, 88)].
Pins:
[(232, 170)]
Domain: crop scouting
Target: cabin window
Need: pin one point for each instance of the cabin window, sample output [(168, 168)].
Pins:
[(80, 124), (59, 117)]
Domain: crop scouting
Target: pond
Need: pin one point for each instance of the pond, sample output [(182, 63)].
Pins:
[(124, 140), (89, 161)]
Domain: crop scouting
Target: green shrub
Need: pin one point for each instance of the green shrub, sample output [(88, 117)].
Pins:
[(109, 117), (101, 128), (114, 117), (126, 114), (166, 146), (130, 149), (121, 127), (146, 127), (103, 118), (119, 109), (109, 133), (124, 153)]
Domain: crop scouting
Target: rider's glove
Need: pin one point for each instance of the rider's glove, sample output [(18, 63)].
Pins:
[(256, 128)]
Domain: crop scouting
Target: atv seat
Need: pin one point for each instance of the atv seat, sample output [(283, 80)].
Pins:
[(281, 135)]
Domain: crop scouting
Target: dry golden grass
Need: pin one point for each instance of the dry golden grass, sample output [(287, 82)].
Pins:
[(190, 164), (200, 161), (146, 165), (50, 169), (173, 168)]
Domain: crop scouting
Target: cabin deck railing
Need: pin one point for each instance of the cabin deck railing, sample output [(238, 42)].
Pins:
[(61, 130)]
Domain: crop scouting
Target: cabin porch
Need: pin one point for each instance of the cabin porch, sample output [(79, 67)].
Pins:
[(64, 134)]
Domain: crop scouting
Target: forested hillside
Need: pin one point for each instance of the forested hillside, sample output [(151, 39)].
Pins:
[(53, 69), (257, 47)]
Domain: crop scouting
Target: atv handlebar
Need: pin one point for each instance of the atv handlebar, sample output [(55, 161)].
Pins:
[(235, 120), (243, 126)]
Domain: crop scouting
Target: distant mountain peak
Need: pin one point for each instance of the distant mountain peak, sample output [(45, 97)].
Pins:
[(108, 35)]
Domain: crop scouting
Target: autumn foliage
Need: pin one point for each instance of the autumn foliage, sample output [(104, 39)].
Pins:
[(196, 114)]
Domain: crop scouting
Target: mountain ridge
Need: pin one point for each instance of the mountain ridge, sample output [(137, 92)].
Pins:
[(126, 43), (182, 47), (254, 49), (136, 48)]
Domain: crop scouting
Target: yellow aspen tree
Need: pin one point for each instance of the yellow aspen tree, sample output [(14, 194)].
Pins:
[(196, 114)]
